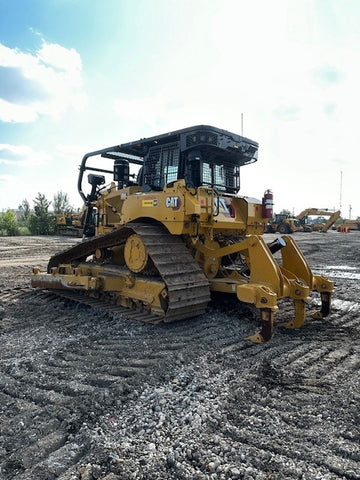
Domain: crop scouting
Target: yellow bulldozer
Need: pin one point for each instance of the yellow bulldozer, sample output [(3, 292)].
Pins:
[(70, 224), (162, 240)]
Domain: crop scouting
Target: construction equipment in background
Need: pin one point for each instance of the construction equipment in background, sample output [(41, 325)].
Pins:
[(284, 224), (179, 231), (320, 227), (70, 224), (348, 225)]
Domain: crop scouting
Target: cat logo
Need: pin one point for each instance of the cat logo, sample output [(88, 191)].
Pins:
[(173, 202)]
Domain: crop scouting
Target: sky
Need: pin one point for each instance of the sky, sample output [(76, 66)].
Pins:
[(81, 75)]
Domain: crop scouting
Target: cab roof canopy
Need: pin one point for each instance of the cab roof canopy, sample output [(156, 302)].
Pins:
[(232, 147)]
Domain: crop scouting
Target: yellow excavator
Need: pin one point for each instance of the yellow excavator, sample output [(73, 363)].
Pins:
[(324, 212), (159, 242)]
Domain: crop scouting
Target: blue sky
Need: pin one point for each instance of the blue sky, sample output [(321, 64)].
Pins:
[(80, 75)]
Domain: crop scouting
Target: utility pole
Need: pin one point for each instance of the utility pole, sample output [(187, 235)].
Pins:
[(350, 212)]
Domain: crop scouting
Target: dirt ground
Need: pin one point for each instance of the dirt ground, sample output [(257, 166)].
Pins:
[(88, 395)]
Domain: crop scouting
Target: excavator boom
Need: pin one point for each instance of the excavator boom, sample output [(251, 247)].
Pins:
[(333, 216)]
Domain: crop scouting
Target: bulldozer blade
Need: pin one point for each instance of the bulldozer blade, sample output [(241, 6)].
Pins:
[(325, 306), (267, 327), (299, 319)]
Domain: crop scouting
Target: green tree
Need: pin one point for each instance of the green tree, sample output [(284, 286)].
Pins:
[(61, 203), (42, 222), (286, 212), (41, 205), (25, 211), (8, 223)]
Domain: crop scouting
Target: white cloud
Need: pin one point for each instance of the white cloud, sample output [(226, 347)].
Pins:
[(26, 171), (5, 178), (22, 155), (72, 151), (10, 112), (48, 82), (60, 57), (291, 68)]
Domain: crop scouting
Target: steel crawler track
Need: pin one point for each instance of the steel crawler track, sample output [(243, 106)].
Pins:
[(187, 286)]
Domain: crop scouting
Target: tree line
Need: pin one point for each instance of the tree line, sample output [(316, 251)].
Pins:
[(38, 220)]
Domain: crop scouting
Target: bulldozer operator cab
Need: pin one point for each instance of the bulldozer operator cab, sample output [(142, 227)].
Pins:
[(199, 167), (201, 155)]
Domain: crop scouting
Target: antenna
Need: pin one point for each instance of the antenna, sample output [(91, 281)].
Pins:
[(350, 212), (340, 189), (242, 124)]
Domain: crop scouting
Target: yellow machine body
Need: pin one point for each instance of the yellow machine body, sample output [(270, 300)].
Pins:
[(70, 224), (348, 225), (182, 211), (162, 251), (324, 212), (284, 224)]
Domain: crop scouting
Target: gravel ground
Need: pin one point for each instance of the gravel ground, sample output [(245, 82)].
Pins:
[(87, 395)]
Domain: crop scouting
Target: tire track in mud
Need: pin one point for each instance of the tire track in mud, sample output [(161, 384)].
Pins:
[(40, 380), (288, 409), (74, 375), (321, 364), (278, 421)]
